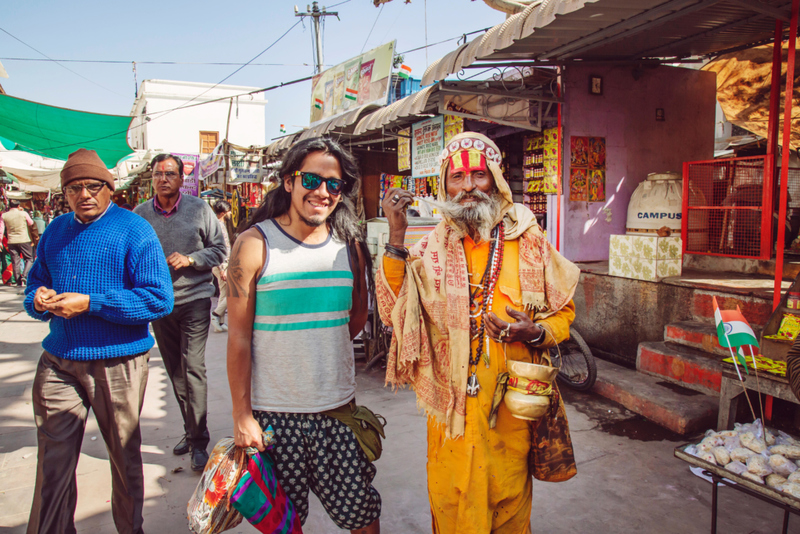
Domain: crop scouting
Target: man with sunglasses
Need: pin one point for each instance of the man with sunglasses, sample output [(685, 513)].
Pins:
[(297, 295), (193, 244), (99, 279)]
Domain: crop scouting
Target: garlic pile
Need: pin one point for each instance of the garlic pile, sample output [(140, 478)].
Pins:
[(770, 457)]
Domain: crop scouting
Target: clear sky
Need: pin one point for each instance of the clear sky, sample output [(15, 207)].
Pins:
[(206, 31)]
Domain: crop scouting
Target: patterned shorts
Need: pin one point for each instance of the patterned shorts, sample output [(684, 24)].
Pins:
[(321, 453)]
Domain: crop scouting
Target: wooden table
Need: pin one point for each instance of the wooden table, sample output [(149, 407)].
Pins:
[(731, 389)]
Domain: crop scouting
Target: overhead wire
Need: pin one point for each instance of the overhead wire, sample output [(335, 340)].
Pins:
[(446, 40), (373, 27), (62, 66), (188, 104), (128, 62)]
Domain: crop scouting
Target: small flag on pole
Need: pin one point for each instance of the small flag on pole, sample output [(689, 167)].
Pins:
[(351, 94), (318, 103), (733, 330), (405, 71), (283, 128)]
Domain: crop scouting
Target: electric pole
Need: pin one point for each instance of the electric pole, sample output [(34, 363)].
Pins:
[(316, 14)]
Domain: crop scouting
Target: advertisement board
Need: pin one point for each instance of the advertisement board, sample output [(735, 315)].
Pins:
[(427, 142), (191, 172), (357, 82)]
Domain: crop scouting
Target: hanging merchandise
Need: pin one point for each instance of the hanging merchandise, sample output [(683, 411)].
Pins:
[(533, 174), (453, 126), (404, 150), (550, 160)]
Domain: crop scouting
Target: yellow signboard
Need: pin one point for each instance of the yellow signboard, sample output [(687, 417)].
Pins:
[(357, 82)]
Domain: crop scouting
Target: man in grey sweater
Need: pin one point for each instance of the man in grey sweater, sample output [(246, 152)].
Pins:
[(193, 244)]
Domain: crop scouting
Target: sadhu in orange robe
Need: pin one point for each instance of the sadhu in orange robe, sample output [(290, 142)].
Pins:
[(479, 483)]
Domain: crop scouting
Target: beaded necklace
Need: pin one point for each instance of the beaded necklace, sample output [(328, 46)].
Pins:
[(484, 292)]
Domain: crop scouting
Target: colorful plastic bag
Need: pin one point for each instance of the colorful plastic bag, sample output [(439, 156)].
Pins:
[(209, 511), (260, 498)]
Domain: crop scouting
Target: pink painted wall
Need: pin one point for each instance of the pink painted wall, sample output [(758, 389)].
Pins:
[(636, 144)]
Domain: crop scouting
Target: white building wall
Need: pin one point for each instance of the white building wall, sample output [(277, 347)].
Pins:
[(179, 131)]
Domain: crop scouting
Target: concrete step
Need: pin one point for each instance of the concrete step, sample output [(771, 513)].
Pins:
[(685, 366), (701, 335), (679, 409)]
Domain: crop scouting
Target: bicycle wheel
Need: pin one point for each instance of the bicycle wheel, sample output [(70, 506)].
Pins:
[(578, 368)]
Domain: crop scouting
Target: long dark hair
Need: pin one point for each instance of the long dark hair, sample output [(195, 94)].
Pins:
[(343, 222)]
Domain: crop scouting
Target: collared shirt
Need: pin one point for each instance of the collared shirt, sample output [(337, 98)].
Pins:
[(77, 220), (166, 213)]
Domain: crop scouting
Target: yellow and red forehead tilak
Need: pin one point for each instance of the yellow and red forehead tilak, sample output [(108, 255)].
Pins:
[(469, 154), (467, 161)]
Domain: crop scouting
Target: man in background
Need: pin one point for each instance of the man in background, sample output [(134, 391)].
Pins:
[(193, 244), (19, 226), (222, 209)]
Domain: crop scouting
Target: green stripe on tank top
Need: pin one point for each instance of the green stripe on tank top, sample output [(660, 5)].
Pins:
[(291, 301), (305, 325), (315, 275)]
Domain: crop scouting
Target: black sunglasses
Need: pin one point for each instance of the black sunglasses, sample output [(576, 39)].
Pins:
[(311, 182)]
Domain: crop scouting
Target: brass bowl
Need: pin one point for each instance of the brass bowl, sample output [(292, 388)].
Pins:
[(522, 406), (532, 371)]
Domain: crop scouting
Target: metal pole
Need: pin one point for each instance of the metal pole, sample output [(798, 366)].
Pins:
[(316, 14), (770, 164), (787, 130), (318, 37)]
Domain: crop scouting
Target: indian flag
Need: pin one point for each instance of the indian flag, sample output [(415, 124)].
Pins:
[(351, 94), (405, 71), (318, 103), (283, 128), (733, 330)]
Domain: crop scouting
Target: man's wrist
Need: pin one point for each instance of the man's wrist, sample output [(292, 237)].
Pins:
[(539, 337)]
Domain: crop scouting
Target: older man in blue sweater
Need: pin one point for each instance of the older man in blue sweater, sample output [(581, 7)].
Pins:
[(99, 279)]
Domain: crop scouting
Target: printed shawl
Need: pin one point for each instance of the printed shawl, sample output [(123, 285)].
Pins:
[(431, 340)]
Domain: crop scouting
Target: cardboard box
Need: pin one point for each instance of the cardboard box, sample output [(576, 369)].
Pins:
[(644, 257)]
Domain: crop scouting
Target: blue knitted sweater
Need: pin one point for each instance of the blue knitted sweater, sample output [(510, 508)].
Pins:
[(117, 260)]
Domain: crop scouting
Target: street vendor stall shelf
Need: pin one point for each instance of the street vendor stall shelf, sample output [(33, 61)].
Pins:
[(783, 325), (718, 475)]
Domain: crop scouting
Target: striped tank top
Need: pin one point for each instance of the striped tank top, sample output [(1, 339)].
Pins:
[(302, 356)]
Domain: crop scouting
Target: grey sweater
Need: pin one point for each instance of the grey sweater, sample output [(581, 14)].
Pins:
[(193, 231)]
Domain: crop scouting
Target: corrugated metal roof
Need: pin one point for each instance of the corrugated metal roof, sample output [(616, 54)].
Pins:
[(405, 107), (562, 30), (281, 144)]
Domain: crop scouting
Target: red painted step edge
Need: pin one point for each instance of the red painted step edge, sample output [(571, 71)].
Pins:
[(676, 368)]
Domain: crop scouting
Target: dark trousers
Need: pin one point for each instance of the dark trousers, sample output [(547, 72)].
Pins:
[(26, 251), (63, 393), (181, 337)]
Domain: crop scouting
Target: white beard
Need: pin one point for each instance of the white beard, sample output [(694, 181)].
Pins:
[(476, 218)]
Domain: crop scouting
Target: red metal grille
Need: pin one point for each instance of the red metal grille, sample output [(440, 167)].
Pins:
[(730, 210), (725, 206)]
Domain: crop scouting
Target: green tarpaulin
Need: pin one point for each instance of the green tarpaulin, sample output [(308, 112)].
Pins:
[(58, 132)]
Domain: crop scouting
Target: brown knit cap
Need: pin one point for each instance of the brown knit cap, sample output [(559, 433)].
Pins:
[(83, 164)]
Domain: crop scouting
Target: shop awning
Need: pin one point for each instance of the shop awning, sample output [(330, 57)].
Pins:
[(558, 31), (33, 172), (405, 107), (281, 145), (342, 122), (57, 132)]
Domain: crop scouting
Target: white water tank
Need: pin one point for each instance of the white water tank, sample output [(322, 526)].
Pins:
[(656, 203)]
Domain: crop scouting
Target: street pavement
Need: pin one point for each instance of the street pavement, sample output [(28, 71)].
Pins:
[(628, 479)]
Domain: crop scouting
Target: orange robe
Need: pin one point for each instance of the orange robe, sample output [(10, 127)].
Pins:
[(479, 483)]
